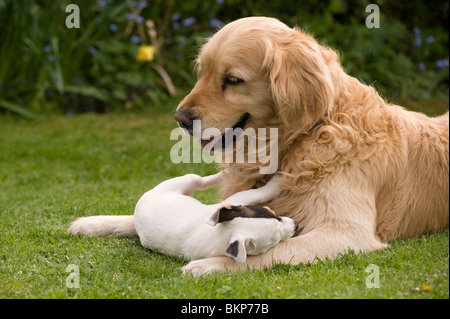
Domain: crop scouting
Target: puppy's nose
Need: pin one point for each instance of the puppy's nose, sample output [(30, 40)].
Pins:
[(184, 119)]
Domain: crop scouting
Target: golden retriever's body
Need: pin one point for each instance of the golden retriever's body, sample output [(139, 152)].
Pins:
[(358, 171)]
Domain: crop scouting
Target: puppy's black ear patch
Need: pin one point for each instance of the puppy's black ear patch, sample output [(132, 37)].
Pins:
[(233, 249), (260, 212), (230, 212), (224, 213), (236, 248)]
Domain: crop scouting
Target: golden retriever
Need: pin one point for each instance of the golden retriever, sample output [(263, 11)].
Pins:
[(357, 170)]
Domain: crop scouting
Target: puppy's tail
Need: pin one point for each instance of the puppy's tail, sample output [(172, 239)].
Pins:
[(104, 226)]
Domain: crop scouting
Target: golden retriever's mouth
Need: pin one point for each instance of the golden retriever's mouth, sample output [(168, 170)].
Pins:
[(228, 137)]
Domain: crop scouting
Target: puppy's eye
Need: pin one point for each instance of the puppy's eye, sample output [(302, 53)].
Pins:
[(230, 80)]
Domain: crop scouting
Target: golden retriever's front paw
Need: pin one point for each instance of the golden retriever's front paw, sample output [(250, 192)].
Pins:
[(209, 265)]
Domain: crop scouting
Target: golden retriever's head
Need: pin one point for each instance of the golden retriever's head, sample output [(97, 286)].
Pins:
[(255, 70)]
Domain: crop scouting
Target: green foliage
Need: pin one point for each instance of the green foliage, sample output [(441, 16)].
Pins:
[(403, 58), (47, 67)]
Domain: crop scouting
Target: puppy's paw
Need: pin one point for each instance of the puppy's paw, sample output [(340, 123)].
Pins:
[(209, 265), (79, 227)]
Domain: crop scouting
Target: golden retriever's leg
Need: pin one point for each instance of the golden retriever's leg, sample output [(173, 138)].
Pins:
[(325, 241)]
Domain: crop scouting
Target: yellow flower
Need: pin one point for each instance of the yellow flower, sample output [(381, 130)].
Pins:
[(426, 287), (146, 53)]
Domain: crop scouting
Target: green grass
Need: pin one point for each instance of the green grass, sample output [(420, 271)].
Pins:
[(54, 171)]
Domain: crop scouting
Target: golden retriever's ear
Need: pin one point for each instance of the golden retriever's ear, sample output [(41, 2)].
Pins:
[(300, 80)]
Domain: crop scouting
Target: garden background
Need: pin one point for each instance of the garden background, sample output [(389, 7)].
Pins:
[(85, 119), (47, 67)]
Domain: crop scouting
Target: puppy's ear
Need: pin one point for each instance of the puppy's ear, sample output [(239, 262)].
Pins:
[(237, 247), (226, 213), (300, 80)]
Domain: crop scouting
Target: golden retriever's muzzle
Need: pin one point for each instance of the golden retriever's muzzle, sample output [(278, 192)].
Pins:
[(186, 121)]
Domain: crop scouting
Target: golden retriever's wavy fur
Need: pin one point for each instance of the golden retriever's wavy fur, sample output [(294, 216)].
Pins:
[(358, 170)]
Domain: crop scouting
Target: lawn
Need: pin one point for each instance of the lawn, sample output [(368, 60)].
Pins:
[(56, 170)]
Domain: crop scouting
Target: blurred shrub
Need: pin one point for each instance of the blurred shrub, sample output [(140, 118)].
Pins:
[(46, 67)]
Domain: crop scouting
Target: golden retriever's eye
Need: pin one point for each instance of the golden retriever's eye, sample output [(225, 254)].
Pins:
[(230, 80)]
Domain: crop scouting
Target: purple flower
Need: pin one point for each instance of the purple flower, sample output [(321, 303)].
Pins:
[(429, 39), (135, 39), (51, 58), (418, 39), (188, 21), (113, 27), (143, 5), (215, 23), (92, 50), (47, 48), (176, 16), (220, 1), (442, 64), (102, 3), (422, 66), (140, 19)]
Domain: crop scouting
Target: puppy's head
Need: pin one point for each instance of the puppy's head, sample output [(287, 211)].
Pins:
[(255, 70), (254, 229)]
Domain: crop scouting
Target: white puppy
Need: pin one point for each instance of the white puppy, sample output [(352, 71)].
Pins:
[(168, 220)]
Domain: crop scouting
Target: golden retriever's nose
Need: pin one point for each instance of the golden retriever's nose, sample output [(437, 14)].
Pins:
[(184, 119)]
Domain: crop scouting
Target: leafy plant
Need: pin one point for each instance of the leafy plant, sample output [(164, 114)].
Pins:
[(47, 67)]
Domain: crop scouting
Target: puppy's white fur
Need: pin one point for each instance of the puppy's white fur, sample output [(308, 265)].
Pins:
[(168, 220)]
